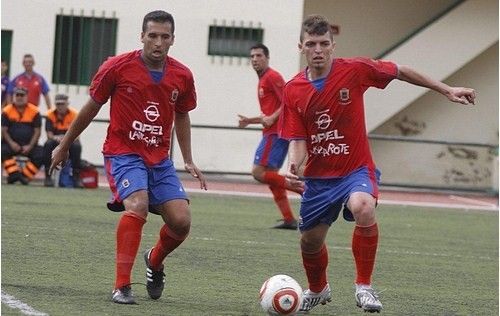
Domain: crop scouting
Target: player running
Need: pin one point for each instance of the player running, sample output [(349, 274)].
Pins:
[(323, 117), (149, 91), (272, 150)]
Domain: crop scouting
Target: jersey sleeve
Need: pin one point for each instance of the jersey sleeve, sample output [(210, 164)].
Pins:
[(45, 87), (291, 125), (377, 73), (187, 100), (277, 84), (5, 120), (37, 121), (103, 83), (49, 126)]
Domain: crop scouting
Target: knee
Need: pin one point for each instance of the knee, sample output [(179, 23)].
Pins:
[(309, 244), (180, 223), (137, 202), (258, 173), (363, 211)]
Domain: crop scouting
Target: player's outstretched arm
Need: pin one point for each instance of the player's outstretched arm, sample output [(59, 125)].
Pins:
[(183, 132), (244, 121), (455, 94), (61, 153)]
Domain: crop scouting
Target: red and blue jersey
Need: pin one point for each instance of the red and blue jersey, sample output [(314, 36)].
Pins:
[(270, 92), (331, 119), (34, 82), (142, 110)]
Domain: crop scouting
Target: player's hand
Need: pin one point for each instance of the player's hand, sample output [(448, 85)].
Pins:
[(243, 121), (462, 95), (267, 121), (292, 177), (196, 173), (59, 157)]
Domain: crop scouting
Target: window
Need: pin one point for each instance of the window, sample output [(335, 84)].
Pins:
[(6, 46), (233, 41), (81, 45)]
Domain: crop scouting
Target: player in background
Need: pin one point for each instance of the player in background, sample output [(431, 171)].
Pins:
[(324, 115), (272, 150), (149, 92)]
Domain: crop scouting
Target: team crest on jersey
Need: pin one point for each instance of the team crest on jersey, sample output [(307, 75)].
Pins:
[(261, 92), (344, 96), (173, 96)]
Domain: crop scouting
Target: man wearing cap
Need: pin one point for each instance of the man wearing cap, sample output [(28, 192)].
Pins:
[(21, 127), (56, 125)]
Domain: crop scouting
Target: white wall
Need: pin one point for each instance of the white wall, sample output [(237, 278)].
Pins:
[(225, 86)]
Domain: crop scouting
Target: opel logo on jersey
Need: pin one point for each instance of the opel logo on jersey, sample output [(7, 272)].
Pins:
[(323, 121), (152, 113)]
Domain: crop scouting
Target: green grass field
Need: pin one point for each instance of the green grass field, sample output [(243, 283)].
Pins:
[(58, 258)]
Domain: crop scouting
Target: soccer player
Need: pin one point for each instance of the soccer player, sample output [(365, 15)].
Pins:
[(149, 92), (272, 150), (324, 115)]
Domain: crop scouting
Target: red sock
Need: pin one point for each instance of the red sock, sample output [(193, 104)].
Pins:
[(315, 266), (275, 179), (128, 238), (166, 244), (364, 249), (281, 201)]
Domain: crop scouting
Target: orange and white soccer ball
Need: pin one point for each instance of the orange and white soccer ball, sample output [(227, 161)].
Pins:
[(280, 295)]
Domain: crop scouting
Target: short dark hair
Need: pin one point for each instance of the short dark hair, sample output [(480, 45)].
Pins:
[(158, 16), (263, 47), (28, 56), (315, 25)]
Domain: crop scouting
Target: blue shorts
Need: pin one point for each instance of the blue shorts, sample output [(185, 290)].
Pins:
[(323, 199), (271, 152), (128, 174)]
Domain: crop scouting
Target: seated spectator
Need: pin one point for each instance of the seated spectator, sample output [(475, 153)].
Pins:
[(56, 125), (21, 128)]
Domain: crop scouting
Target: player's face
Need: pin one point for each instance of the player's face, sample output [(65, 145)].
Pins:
[(317, 49), (259, 61), (157, 40)]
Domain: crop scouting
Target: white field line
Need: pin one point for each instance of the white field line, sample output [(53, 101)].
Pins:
[(24, 308), (484, 206), (474, 201)]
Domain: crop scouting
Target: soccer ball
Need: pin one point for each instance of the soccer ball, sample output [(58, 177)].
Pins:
[(280, 295)]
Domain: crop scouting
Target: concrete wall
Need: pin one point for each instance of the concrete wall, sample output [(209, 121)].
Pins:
[(225, 86)]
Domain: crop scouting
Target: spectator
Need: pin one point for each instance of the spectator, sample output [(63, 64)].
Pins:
[(34, 82), (57, 124), (21, 123), (5, 82)]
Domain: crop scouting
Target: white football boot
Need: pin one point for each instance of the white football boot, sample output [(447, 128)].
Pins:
[(367, 299), (311, 299)]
